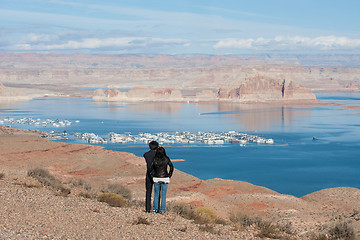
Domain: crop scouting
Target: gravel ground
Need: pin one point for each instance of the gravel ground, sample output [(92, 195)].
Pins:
[(38, 213)]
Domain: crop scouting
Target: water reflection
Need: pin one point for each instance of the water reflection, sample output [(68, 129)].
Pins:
[(4, 104), (161, 107), (251, 117), (111, 106), (144, 107), (258, 116)]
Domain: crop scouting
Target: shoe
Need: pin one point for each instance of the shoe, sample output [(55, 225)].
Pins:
[(147, 211), (155, 211), (161, 212)]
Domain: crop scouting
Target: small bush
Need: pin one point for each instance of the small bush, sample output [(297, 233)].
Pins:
[(44, 177), (243, 219), (342, 230), (64, 190), (137, 203), (114, 200), (47, 179), (32, 185), (118, 189), (85, 195), (200, 215), (81, 183), (267, 229), (141, 220), (204, 215), (2, 176), (221, 221), (182, 209), (287, 228)]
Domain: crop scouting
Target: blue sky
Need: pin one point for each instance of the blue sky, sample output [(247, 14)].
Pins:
[(180, 27)]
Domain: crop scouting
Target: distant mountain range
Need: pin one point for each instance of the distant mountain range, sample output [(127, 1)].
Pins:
[(202, 76), (31, 60)]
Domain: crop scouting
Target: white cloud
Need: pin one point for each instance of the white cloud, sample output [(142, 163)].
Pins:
[(290, 43), (96, 43), (32, 37)]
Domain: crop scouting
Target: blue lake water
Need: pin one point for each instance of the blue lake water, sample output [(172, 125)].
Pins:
[(295, 164)]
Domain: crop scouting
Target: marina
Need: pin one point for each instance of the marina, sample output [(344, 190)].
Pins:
[(8, 121), (185, 137), (210, 138)]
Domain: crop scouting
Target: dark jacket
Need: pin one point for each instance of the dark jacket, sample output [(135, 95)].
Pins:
[(149, 157), (159, 168)]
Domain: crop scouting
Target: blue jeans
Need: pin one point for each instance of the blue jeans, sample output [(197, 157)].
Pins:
[(160, 187)]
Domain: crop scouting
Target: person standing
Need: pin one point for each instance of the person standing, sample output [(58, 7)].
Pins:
[(161, 178), (149, 157)]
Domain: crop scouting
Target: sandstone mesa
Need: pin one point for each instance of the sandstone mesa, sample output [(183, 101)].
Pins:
[(256, 89)]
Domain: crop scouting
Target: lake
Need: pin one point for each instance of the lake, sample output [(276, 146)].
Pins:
[(295, 164)]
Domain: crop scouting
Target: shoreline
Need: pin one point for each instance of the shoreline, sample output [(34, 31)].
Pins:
[(37, 133), (322, 103), (24, 149)]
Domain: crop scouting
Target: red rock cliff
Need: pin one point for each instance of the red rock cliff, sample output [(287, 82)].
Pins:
[(260, 89)]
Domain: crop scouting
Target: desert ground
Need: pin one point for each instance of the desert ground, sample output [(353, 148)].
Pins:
[(30, 210)]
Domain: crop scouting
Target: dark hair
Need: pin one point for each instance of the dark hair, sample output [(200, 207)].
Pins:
[(153, 145), (160, 153)]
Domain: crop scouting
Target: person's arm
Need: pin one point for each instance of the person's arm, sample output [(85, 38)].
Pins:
[(171, 168), (151, 170)]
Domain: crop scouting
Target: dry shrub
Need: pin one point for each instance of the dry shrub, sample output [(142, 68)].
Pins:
[(209, 228), (204, 215), (141, 220), (2, 176), (80, 183), (182, 209), (119, 190), (269, 230), (44, 177), (37, 184), (221, 221), (114, 200), (266, 228), (85, 195), (200, 215), (342, 230), (287, 228), (244, 219), (47, 179), (137, 203)]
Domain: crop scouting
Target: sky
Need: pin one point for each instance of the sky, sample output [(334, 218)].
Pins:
[(180, 26)]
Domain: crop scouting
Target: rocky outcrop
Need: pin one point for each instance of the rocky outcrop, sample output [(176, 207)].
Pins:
[(256, 89), (20, 94), (261, 89), (139, 94)]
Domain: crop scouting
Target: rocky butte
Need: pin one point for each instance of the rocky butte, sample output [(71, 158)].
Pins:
[(254, 89)]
